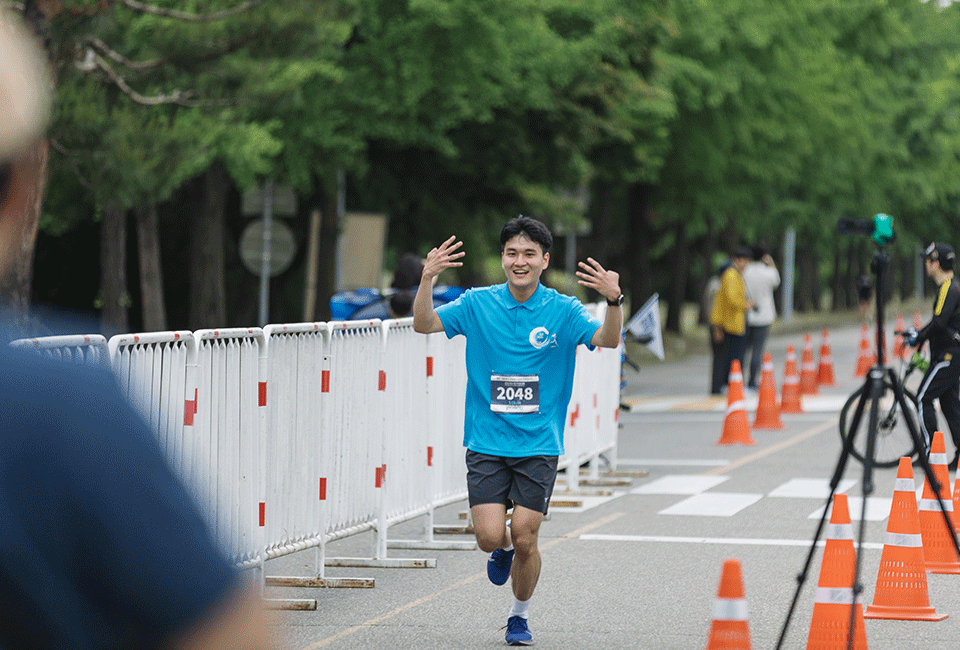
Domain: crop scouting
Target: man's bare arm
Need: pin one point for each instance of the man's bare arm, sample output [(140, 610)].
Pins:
[(425, 318), (607, 283), (237, 623)]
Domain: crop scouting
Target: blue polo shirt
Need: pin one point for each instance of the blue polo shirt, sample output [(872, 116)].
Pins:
[(520, 364)]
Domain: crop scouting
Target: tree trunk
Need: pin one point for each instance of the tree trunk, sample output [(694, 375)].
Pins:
[(808, 286), (640, 276), (836, 279), (327, 267), (312, 265), (603, 235), (678, 283), (207, 292), (16, 285), (708, 251), (151, 272), (113, 272)]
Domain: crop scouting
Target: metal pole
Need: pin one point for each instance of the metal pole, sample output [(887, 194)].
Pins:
[(789, 257), (265, 255)]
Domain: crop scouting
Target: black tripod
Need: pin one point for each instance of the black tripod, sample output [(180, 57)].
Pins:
[(873, 391)]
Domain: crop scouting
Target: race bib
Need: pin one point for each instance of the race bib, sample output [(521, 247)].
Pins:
[(515, 393)]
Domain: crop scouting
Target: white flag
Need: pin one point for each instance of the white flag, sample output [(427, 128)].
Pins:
[(647, 321)]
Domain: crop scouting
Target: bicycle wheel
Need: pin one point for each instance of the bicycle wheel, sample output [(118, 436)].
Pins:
[(893, 439)]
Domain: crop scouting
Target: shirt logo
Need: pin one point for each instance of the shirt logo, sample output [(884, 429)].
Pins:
[(540, 338)]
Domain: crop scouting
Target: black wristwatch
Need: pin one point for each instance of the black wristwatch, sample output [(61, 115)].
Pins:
[(617, 302)]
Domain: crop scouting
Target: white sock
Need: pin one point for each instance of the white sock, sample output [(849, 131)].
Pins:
[(520, 608), (509, 548)]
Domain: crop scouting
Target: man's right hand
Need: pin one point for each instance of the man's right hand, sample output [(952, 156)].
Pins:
[(425, 318), (443, 257)]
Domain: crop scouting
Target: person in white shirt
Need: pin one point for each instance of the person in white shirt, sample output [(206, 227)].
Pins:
[(762, 278)]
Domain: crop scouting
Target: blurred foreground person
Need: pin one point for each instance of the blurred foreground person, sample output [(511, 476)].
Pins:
[(100, 545), (522, 343)]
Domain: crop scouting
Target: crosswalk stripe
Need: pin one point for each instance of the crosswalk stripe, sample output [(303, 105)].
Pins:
[(734, 541)]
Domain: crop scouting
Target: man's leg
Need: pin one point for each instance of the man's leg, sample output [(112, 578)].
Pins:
[(525, 530), (758, 343), (490, 526), (950, 405), (933, 385)]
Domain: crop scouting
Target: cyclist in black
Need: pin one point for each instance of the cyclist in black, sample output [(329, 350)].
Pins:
[(942, 379)]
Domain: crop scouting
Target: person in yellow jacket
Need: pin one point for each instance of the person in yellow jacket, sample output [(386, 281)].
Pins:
[(728, 318)]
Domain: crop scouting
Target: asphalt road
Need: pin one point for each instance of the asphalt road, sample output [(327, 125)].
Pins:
[(640, 566)]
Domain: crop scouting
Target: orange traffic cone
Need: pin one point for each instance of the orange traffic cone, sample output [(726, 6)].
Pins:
[(790, 393), (939, 553), (956, 503), (768, 411), (829, 629), (736, 428), (825, 369), (808, 369), (899, 349), (901, 592), (865, 360), (730, 629)]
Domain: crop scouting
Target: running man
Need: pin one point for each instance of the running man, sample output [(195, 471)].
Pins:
[(521, 351)]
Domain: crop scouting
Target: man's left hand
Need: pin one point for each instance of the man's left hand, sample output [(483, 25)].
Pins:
[(593, 276)]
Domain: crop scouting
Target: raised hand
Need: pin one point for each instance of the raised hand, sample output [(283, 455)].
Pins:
[(443, 257), (594, 276)]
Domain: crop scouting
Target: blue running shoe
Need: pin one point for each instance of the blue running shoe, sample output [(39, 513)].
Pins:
[(517, 631), (498, 566)]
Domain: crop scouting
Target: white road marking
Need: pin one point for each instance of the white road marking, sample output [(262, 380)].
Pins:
[(712, 504), (670, 462), (878, 509), (680, 484), (810, 488), (734, 541)]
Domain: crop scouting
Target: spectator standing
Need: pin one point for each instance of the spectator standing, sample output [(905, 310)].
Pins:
[(761, 278), (730, 310), (100, 545), (718, 378)]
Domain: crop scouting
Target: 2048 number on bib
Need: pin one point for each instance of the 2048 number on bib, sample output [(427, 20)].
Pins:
[(515, 393)]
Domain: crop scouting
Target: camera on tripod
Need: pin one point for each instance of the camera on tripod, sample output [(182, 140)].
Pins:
[(880, 228)]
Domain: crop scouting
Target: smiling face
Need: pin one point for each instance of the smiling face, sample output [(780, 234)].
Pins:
[(523, 261)]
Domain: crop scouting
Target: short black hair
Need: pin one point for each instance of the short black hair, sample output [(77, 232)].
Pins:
[(536, 230), (4, 181), (942, 254), (401, 303), (408, 273)]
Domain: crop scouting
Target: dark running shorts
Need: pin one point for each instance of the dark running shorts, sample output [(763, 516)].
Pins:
[(527, 481)]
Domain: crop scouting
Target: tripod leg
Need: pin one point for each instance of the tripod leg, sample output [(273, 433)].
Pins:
[(875, 379), (919, 448), (834, 482)]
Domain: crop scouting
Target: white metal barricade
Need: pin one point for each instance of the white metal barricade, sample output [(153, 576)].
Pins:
[(301, 452), (405, 423), (447, 386), (86, 349), (298, 435), (151, 369), (414, 434), (228, 428)]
